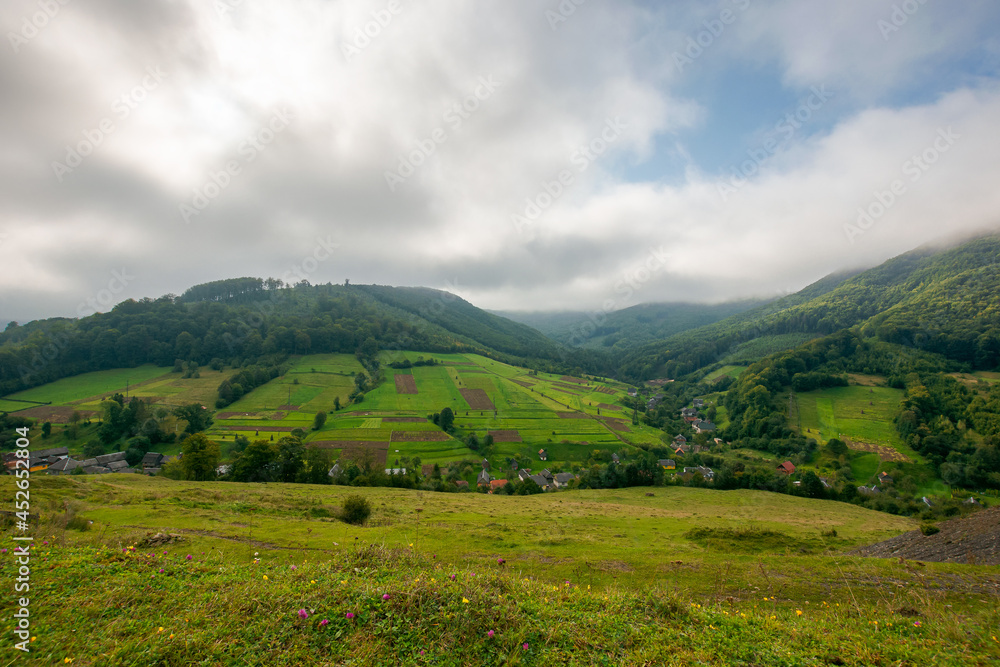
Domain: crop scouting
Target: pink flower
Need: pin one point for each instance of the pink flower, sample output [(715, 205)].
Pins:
[(303, 614), (500, 561), (916, 624), (490, 634), (350, 616), (525, 646), (453, 577), (164, 553), (161, 570), (421, 652), (324, 623), (294, 568), (189, 556), (385, 596)]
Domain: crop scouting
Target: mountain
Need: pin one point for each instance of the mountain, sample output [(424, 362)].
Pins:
[(936, 300), (243, 319), (627, 328)]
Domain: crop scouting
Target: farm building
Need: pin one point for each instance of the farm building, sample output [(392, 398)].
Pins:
[(786, 468)]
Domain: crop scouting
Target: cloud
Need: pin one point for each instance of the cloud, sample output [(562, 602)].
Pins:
[(418, 135)]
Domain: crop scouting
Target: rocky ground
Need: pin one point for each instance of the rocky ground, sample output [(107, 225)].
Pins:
[(974, 539)]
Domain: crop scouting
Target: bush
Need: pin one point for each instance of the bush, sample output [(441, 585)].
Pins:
[(929, 529), (356, 510)]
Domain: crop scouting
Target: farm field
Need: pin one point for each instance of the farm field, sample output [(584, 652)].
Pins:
[(569, 417), (862, 416), (749, 574), (732, 371)]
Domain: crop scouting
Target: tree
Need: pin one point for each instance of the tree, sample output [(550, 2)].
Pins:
[(46, 429), (336, 403), (445, 419), (356, 510), (256, 463), (319, 420), (197, 416), (201, 458)]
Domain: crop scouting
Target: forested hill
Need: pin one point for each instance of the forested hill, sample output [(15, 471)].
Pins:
[(247, 318), (628, 328), (941, 301)]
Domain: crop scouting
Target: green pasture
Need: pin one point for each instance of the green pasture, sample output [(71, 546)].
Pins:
[(78, 388)]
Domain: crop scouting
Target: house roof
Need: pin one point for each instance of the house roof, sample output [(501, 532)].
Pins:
[(118, 465), (539, 480), (64, 465), (95, 470), (787, 466), (105, 459), (461, 483), (565, 477), (484, 477), (52, 451), (498, 483), (151, 459)]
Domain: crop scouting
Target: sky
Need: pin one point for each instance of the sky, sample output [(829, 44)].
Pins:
[(524, 154)]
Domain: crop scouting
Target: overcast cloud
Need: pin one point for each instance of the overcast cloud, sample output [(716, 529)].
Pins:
[(527, 154)]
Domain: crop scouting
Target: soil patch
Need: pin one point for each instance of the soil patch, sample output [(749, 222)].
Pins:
[(973, 539), (616, 424), (526, 385), (419, 436), (605, 390), (567, 378), (288, 408), (605, 406), (884, 452), (57, 414), (572, 415), (406, 384), (477, 399), (508, 435)]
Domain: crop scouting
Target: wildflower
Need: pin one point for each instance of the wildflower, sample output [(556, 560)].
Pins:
[(385, 596), (265, 577), (453, 577), (525, 646), (500, 561), (68, 660), (294, 568), (916, 624), (160, 629), (303, 614), (421, 652), (465, 600), (161, 571), (164, 553), (798, 612), (170, 637), (189, 557), (490, 634), (324, 623), (312, 581), (350, 616)]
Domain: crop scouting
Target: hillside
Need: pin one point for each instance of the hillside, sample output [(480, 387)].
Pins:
[(245, 319), (973, 539), (624, 329), (180, 573), (935, 300)]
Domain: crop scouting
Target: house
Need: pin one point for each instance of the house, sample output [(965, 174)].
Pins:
[(462, 484), (497, 484), (698, 403), (825, 482), (691, 419), (681, 450), (223, 470), (523, 474), (486, 465), (151, 463), (105, 459), (36, 464), (926, 501), (563, 479), (689, 412), (483, 479), (122, 466), (868, 490), (615, 459), (680, 440), (395, 471), (786, 468), (547, 475), (972, 501), (706, 473), (543, 455), (62, 467), (335, 470), (703, 426), (95, 470), (542, 482), (667, 464), (884, 478)]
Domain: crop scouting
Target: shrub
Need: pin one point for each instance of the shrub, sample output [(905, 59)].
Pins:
[(929, 529), (356, 510)]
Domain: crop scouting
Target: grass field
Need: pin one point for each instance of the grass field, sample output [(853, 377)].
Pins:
[(732, 371), (78, 389), (684, 576), (861, 414)]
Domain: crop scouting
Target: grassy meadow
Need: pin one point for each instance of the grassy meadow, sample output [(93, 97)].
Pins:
[(264, 575)]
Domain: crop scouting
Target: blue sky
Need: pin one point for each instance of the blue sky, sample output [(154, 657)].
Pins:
[(156, 145)]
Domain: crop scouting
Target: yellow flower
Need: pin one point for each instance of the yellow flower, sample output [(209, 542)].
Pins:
[(170, 637), (265, 577), (465, 600), (160, 629), (68, 660), (798, 612), (313, 581), (34, 638)]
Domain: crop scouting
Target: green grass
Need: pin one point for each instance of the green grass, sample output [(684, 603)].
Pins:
[(89, 385), (686, 576), (732, 371)]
